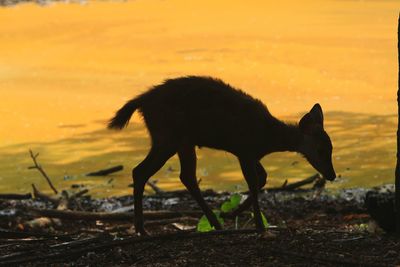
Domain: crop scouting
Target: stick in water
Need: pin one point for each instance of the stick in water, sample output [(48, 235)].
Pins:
[(40, 169), (106, 171)]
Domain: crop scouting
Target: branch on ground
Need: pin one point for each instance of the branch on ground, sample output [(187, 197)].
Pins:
[(16, 196), (121, 216)]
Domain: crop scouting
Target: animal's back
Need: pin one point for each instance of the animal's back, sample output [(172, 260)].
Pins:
[(202, 111)]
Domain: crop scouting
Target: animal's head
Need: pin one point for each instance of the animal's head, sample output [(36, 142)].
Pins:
[(316, 145)]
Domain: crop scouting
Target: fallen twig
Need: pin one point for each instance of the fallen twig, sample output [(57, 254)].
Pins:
[(348, 239), (79, 242), (84, 215), (172, 220), (126, 226), (40, 169), (17, 235)]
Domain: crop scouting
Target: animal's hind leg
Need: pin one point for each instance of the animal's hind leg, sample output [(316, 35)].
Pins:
[(262, 179), (250, 174), (141, 174), (187, 158)]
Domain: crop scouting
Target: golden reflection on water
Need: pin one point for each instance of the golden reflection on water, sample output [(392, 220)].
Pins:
[(65, 68), (365, 157)]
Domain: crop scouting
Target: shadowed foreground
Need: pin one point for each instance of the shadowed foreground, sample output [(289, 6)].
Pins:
[(322, 230)]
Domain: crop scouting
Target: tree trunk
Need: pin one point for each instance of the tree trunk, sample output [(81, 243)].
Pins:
[(397, 174)]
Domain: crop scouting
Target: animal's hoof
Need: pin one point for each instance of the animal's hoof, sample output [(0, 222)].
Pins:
[(260, 229), (142, 232)]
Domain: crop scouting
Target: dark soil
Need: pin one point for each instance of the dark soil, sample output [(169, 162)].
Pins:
[(309, 230)]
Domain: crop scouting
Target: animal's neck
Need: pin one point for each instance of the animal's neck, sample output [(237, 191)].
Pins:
[(284, 137)]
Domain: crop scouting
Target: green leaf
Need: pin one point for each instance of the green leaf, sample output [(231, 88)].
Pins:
[(235, 200), (219, 218), (231, 204), (264, 220), (204, 225), (226, 206)]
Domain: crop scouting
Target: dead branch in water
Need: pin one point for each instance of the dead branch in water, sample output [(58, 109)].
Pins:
[(106, 171), (40, 169), (56, 200), (289, 187), (153, 185), (38, 194)]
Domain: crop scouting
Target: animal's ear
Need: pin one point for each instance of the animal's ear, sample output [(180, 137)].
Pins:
[(306, 124), (317, 114), (312, 120)]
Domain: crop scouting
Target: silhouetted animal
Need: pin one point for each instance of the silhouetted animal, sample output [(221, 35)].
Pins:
[(194, 111)]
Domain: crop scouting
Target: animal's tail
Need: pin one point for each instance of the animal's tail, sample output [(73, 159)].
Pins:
[(122, 117)]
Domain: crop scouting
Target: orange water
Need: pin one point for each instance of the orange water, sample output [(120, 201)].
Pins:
[(65, 68)]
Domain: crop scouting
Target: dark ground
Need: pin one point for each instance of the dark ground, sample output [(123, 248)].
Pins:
[(324, 230)]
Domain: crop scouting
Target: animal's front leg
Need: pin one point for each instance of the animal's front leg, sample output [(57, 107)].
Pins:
[(250, 174), (262, 179)]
